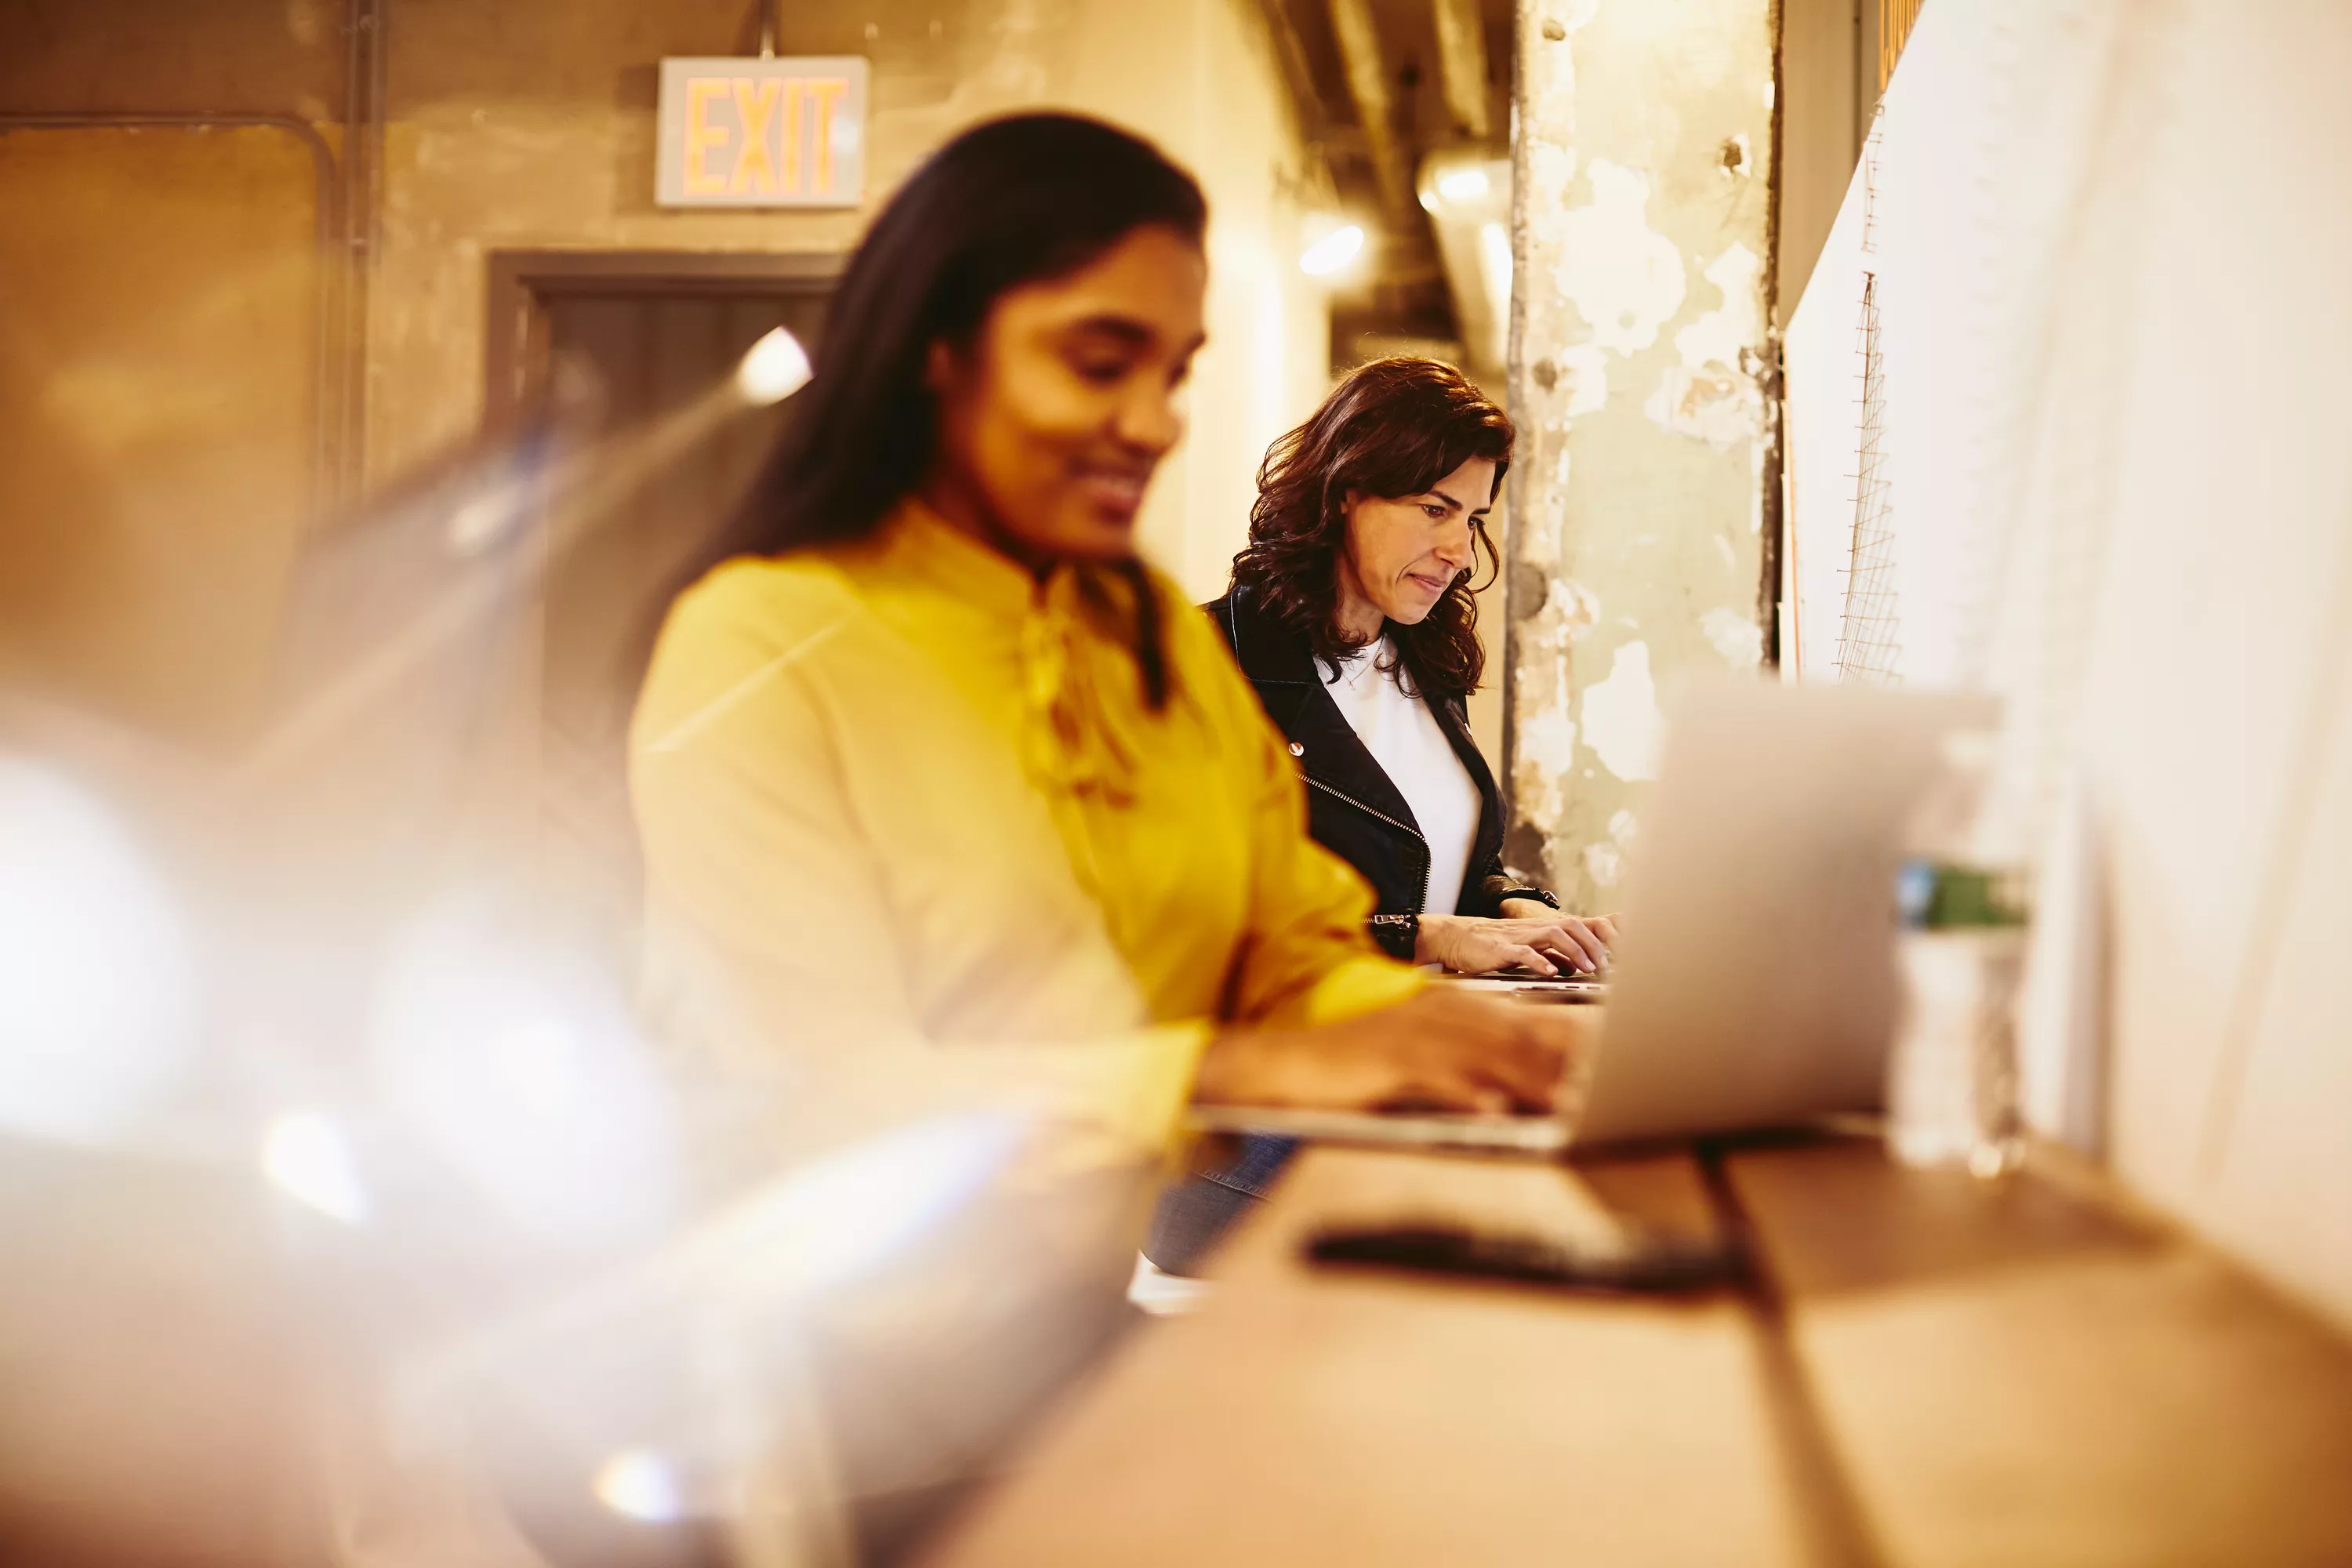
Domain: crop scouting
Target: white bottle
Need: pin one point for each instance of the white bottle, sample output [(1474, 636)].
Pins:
[(1951, 1089)]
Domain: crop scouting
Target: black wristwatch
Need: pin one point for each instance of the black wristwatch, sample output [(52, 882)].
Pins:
[(1538, 894), (1398, 935)]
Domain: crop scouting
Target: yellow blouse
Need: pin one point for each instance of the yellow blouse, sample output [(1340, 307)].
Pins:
[(912, 831)]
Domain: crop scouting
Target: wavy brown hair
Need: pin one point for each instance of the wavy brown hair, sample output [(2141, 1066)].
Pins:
[(1393, 428)]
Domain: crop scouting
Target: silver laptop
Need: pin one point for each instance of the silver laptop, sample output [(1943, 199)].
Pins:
[(1753, 983)]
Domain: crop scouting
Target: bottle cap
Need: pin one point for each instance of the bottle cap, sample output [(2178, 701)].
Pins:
[(1935, 896)]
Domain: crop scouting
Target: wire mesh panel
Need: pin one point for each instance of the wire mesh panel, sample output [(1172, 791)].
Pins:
[(1870, 647)]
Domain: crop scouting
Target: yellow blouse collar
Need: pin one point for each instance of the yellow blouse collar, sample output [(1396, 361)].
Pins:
[(1074, 637), (915, 542)]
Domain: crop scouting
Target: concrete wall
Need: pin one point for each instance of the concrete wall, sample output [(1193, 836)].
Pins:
[(162, 296), (267, 56), (159, 381), (1640, 229)]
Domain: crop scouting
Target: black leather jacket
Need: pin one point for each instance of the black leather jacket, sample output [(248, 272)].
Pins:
[(1352, 808)]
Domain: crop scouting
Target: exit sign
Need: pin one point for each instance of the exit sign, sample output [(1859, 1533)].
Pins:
[(762, 133)]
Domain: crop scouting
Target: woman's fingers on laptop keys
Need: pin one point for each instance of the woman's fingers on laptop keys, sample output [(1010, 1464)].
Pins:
[(1456, 1053), (1440, 1051), (1574, 937), (1552, 944), (1499, 1047), (1565, 944), (1564, 1038)]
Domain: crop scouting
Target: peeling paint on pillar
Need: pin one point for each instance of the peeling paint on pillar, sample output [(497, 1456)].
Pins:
[(1641, 209)]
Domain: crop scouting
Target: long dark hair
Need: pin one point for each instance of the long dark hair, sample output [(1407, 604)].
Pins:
[(1394, 427), (1010, 202)]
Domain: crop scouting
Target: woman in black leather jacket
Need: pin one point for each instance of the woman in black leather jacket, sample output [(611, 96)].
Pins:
[(1351, 612)]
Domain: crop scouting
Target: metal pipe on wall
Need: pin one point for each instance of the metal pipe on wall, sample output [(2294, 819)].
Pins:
[(1461, 64), (1368, 84), (365, 25), (1297, 76)]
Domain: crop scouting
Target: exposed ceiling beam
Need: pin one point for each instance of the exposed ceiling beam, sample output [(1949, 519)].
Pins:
[(1462, 63), (1297, 76), (1368, 84)]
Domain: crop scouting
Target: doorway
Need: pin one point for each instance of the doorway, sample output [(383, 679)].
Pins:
[(656, 332)]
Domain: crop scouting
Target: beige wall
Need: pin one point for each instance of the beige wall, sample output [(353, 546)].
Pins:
[(267, 56), (158, 400), (1641, 235), (531, 123), (162, 298)]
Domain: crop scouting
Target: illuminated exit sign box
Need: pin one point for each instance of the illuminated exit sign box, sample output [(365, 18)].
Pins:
[(762, 133)]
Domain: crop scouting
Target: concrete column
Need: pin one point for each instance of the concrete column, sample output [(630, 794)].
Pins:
[(1641, 237)]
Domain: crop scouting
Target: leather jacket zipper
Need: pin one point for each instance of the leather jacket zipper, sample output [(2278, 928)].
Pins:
[(1384, 816), (1359, 806)]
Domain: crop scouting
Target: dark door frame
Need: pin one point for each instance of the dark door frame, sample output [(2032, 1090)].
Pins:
[(515, 336)]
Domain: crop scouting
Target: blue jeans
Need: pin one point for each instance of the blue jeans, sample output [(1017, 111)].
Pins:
[(1228, 1176)]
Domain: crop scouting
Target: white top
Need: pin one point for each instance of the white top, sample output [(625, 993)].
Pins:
[(1405, 739)]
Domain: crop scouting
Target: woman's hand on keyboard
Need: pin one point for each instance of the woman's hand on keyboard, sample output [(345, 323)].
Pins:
[(1553, 944), (1439, 1051)]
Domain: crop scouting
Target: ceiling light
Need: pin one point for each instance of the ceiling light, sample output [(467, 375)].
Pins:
[(1333, 252), (1468, 184)]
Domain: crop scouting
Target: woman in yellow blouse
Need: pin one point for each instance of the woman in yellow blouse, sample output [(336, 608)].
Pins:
[(945, 798)]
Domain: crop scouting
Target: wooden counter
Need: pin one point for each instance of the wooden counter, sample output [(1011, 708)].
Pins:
[(1929, 1371)]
